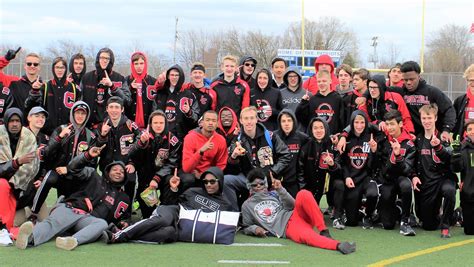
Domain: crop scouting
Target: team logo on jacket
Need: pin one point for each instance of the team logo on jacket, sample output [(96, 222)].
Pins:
[(358, 155), (237, 90), (265, 156), (264, 110), (267, 210), (150, 92), (183, 101), (170, 110), (126, 142), (416, 100), (100, 96), (161, 156), (117, 84), (69, 99), (82, 147), (325, 111), (207, 203), (6, 91), (120, 210), (203, 100), (323, 161)]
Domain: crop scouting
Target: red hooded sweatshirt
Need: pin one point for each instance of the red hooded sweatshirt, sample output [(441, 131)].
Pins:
[(192, 159), (311, 84), (4, 78)]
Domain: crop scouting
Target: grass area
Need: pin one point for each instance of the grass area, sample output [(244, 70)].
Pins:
[(372, 246)]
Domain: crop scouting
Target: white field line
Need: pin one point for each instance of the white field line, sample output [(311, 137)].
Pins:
[(251, 262)]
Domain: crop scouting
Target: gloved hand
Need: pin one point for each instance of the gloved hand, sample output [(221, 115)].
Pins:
[(11, 54), (456, 145)]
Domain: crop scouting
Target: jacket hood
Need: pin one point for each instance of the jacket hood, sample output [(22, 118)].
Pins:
[(109, 66), (293, 70), (380, 81), (107, 170), (269, 85), (290, 113), (327, 131), (353, 116), (247, 58), (76, 77), (56, 79), (180, 80), (135, 76), (235, 121), (9, 113), (324, 59), (218, 174), (150, 118), (79, 105)]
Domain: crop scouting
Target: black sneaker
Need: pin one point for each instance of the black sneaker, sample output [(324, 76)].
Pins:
[(108, 237), (367, 222), (406, 230), (346, 247), (325, 233)]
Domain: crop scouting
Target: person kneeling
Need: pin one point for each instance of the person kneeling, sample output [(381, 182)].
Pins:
[(278, 214)]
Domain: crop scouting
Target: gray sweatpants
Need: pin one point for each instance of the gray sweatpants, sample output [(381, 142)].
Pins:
[(87, 228)]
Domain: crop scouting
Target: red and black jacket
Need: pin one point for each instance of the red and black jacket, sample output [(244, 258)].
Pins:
[(234, 94)]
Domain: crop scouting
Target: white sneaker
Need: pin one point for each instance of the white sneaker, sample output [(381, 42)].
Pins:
[(5, 239), (24, 234), (66, 243)]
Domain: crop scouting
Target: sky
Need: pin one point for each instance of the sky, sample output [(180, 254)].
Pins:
[(123, 25)]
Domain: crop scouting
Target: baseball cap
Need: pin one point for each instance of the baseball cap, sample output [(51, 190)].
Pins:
[(36, 110)]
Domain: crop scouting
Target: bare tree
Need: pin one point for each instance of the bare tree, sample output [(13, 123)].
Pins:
[(199, 46), (449, 49), (63, 48), (329, 33)]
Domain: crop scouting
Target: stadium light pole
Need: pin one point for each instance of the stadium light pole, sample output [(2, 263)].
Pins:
[(302, 34), (422, 54)]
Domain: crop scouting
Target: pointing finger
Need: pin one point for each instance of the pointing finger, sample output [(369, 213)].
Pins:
[(175, 171)]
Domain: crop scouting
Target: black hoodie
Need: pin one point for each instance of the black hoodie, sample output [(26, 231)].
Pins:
[(13, 137), (171, 103), (6, 100), (198, 198), (329, 107), (295, 140), (461, 161), (358, 160), (234, 94), (312, 168), (157, 158), (77, 78), (96, 94), (268, 101), (57, 97), (100, 197)]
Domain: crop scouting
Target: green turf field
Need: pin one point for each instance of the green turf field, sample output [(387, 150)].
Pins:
[(372, 246)]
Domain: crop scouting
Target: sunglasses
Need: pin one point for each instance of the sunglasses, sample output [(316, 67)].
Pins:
[(31, 63), (213, 181), (249, 65), (257, 184)]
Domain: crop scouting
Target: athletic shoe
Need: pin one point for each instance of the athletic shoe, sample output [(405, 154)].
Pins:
[(367, 222), (346, 247), (338, 224), (325, 233), (406, 230), (66, 243), (5, 239), (445, 233), (24, 235)]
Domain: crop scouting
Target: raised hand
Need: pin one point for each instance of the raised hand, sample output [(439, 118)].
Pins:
[(174, 181), (207, 146), (328, 159), (11, 54), (37, 84), (106, 80), (446, 137), (350, 182), (435, 141), (372, 143), (95, 151), (105, 129), (145, 136), (66, 131), (27, 158), (395, 147)]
